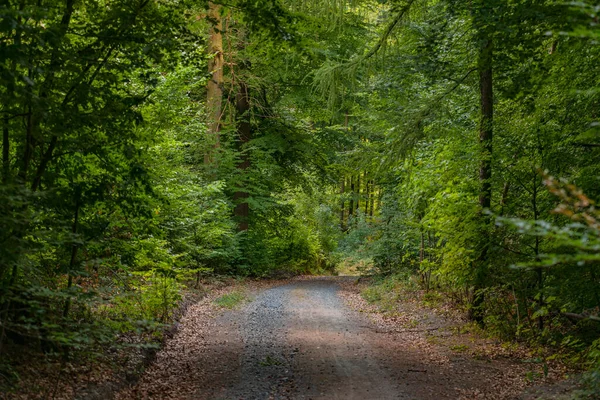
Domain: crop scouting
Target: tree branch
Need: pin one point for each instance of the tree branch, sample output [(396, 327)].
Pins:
[(580, 316)]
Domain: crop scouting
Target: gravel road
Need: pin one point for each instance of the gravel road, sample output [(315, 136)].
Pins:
[(297, 341), (301, 341)]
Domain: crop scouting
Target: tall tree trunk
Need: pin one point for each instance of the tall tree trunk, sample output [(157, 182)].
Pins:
[(358, 192), (28, 146), (35, 115), (536, 248), (367, 195), (373, 195), (485, 172), (504, 198), (214, 96), (244, 130), (5, 150), (343, 203), (486, 125), (422, 251), (351, 208), (74, 249)]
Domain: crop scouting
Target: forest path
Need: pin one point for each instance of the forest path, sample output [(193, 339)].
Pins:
[(301, 341)]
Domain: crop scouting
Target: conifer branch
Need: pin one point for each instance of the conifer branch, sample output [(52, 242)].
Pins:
[(326, 78)]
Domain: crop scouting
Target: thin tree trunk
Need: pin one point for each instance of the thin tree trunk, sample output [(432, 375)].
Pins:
[(5, 150), (485, 173), (358, 193), (505, 190), (430, 256), (486, 125), (351, 208), (28, 149), (214, 97), (34, 116), (343, 203), (536, 249), (74, 249), (244, 130), (367, 195), (422, 254), (373, 194), (10, 89), (47, 157), (343, 188)]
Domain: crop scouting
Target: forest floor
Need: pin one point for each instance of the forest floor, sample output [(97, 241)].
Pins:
[(317, 338)]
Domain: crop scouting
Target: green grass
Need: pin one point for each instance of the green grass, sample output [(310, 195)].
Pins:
[(387, 292), (459, 348), (231, 300), (432, 299)]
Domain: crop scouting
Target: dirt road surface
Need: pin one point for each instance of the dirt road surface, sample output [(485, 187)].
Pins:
[(301, 341)]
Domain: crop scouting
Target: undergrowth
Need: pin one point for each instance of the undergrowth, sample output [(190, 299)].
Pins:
[(231, 300), (386, 292), (558, 343)]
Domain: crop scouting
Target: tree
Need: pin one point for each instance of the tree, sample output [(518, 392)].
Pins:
[(216, 63)]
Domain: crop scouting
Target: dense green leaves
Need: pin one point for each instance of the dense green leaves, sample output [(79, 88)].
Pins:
[(403, 136)]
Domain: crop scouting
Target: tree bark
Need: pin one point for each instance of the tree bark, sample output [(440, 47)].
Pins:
[(373, 194), (422, 245), (504, 198), (74, 249), (244, 130), (34, 118), (486, 125), (536, 248), (358, 193), (5, 150), (351, 208), (485, 172), (367, 195), (214, 97), (28, 147), (343, 203)]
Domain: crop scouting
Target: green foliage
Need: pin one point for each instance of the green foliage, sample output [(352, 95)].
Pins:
[(115, 195), (385, 292), (527, 268)]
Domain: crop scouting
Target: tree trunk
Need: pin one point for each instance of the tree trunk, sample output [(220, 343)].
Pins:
[(485, 173), (486, 125), (505, 190), (34, 116), (422, 252), (5, 151), (536, 248), (367, 195), (214, 97), (28, 147), (351, 208), (373, 194), (343, 203), (244, 130), (74, 249), (358, 193), (343, 188)]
